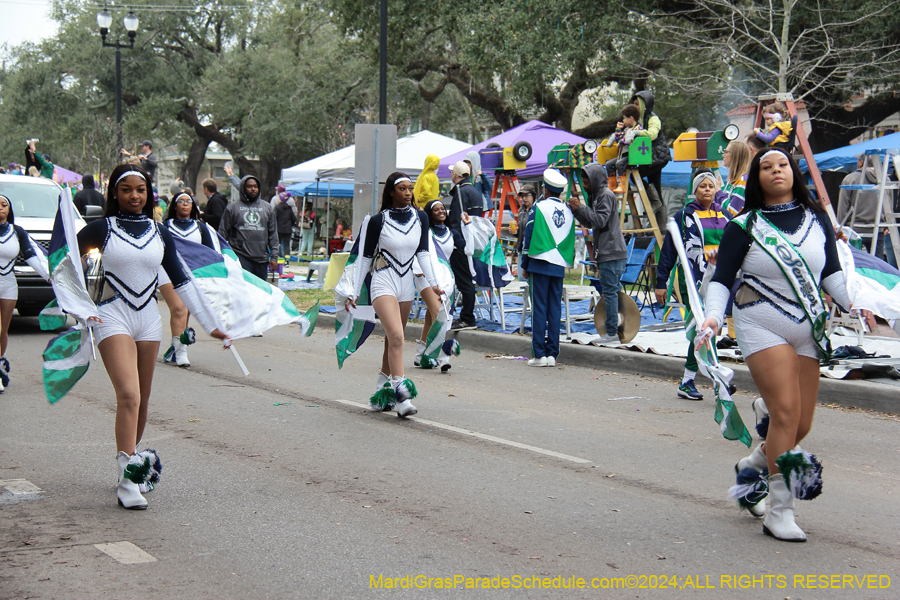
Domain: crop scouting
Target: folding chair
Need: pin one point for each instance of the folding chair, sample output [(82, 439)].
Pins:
[(575, 293), (513, 288), (637, 270)]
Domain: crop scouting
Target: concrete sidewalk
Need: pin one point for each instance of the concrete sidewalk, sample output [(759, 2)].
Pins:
[(857, 394)]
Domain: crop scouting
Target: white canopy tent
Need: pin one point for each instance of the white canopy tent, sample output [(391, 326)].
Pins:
[(340, 164)]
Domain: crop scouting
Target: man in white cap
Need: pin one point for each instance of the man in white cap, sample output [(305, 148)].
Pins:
[(548, 250), (463, 199)]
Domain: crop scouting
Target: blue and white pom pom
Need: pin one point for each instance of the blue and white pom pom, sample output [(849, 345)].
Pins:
[(802, 473), (751, 487), (404, 390), (144, 467), (762, 417)]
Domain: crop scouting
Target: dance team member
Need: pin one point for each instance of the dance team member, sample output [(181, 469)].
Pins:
[(183, 220), (133, 248), (14, 242), (784, 243), (445, 239), (393, 238)]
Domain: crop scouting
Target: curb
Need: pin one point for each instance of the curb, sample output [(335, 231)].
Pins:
[(851, 394)]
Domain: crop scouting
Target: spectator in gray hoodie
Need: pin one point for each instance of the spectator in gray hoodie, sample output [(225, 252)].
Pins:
[(610, 251), (249, 227)]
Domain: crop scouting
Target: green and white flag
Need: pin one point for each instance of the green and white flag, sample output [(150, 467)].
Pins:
[(308, 320), (553, 233), (726, 414), (66, 360)]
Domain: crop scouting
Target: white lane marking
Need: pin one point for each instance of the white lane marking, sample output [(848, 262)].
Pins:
[(20, 486), (483, 436), (125, 552)]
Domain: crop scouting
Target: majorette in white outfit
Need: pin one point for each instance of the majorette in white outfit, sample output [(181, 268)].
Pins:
[(787, 254), (132, 249), (392, 240), (14, 243), (438, 351), (193, 230)]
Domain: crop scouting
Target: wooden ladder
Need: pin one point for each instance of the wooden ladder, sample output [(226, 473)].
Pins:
[(788, 101), (632, 175)]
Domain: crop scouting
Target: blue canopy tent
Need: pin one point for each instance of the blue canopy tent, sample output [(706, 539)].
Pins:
[(322, 189), (844, 159)]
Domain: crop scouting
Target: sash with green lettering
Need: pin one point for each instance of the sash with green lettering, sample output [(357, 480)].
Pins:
[(795, 270), (553, 233)]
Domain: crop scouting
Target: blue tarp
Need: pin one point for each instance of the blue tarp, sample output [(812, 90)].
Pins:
[(321, 189), (844, 159)]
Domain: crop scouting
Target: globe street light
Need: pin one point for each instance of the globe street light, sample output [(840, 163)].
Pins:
[(104, 20)]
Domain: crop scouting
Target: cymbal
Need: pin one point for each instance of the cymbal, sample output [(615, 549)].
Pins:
[(629, 314)]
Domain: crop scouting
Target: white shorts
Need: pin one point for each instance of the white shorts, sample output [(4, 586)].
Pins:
[(756, 327), (118, 318), (386, 282), (9, 289)]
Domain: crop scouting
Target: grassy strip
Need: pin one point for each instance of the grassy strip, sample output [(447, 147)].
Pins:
[(304, 299)]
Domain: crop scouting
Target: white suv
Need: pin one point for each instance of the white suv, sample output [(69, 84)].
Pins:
[(34, 203)]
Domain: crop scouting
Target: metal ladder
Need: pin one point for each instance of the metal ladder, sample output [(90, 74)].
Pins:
[(880, 161)]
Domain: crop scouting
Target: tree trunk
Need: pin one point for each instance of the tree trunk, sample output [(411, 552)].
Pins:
[(195, 157)]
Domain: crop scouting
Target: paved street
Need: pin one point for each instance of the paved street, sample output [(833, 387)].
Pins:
[(280, 485)]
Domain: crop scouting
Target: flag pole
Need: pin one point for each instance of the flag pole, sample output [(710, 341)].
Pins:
[(93, 348), (240, 362)]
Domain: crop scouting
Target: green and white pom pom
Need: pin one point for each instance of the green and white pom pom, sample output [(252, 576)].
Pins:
[(802, 473), (384, 399), (169, 356), (427, 363), (188, 336), (144, 467)]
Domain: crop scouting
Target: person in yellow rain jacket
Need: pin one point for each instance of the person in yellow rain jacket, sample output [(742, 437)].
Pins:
[(427, 187)]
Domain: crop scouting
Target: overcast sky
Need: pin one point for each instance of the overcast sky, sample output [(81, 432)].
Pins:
[(25, 20)]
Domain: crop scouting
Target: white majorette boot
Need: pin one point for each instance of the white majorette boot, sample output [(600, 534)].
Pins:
[(177, 352), (420, 350), (127, 492), (779, 521), (404, 391), (756, 461)]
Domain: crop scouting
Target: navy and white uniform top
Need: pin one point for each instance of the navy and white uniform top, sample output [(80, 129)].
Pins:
[(15, 242), (767, 313), (133, 247), (396, 236), (195, 231)]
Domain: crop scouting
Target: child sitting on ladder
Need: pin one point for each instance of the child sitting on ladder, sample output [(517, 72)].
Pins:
[(777, 131), (624, 135)]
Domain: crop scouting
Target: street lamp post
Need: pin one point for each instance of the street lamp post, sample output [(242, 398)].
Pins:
[(104, 20)]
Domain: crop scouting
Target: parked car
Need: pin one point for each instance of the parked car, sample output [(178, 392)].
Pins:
[(34, 203)]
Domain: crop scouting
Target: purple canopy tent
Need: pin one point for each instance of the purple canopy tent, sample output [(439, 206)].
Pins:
[(541, 136), (62, 176)]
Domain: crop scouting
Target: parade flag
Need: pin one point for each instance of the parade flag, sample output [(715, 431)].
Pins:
[(489, 264), (872, 284), (66, 274), (66, 360), (239, 303), (354, 326), (52, 316), (308, 320), (553, 233), (726, 414)]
